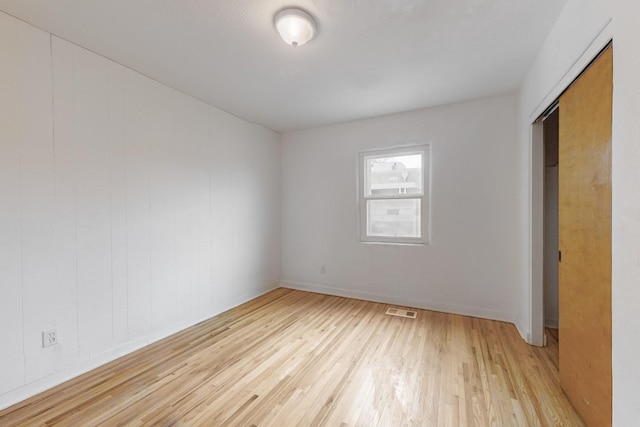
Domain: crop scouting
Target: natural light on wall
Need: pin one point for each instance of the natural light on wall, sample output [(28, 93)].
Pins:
[(394, 195)]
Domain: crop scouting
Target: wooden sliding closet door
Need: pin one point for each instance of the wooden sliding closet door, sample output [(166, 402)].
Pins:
[(585, 241)]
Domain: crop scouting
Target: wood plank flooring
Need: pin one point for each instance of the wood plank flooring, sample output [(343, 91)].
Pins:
[(292, 358)]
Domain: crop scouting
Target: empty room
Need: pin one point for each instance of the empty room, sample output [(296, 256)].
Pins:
[(319, 213)]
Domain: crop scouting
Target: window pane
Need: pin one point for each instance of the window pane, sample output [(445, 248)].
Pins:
[(394, 175), (393, 218)]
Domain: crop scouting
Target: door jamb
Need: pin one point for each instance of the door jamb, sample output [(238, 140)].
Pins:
[(537, 234), (536, 200)]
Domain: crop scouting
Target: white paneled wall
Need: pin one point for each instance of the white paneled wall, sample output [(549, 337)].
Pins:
[(26, 171), (129, 210)]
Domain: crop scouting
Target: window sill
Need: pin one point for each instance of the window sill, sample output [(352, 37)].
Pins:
[(364, 242)]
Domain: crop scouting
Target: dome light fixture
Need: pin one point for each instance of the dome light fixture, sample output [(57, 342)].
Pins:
[(295, 26)]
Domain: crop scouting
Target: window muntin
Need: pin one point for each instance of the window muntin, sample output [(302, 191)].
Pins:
[(394, 195)]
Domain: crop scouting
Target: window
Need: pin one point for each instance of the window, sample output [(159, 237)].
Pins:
[(394, 195)]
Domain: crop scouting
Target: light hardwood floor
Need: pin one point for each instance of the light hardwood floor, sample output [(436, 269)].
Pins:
[(292, 358)]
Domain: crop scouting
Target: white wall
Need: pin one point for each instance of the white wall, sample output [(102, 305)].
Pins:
[(129, 210), (472, 265), (26, 188), (626, 213), (581, 31), (149, 210)]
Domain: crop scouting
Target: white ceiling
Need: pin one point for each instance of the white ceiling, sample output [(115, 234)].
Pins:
[(371, 57)]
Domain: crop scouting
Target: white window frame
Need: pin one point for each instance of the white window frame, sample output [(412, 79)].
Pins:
[(425, 205)]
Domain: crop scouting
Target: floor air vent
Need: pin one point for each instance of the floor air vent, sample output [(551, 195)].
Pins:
[(401, 312)]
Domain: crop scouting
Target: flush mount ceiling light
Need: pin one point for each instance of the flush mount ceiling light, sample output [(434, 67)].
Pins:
[(295, 26)]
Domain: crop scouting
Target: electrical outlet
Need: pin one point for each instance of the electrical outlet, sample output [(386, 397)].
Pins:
[(49, 338), (323, 269)]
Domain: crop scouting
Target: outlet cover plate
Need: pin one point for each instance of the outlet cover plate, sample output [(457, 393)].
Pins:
[(49, 338)]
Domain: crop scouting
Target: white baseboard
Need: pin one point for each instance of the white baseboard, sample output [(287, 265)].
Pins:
[(403, 301), (29, 390), (36, 387), (525, 333)]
